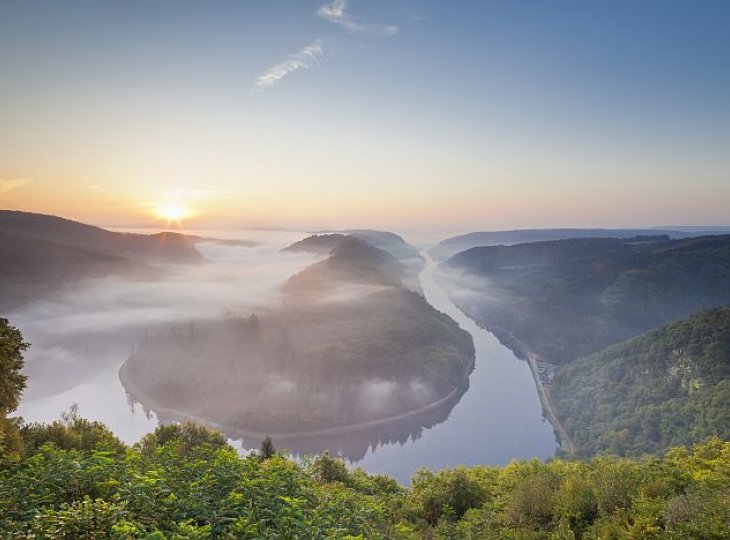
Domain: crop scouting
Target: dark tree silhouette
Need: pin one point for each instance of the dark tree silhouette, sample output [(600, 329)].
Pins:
[(267, 450)]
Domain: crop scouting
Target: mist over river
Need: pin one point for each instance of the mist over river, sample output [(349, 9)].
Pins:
[(80, 339)]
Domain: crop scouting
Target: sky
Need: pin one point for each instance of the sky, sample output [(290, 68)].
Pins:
[(392, 114)]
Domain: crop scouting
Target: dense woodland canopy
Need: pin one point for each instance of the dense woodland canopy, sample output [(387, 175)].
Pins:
[(569, 298), (566, 299), (668, 387)]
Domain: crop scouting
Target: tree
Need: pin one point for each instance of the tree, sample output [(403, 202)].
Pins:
[(185, 436), (267, 450), (12, 383), (72, 432), (328, 469)]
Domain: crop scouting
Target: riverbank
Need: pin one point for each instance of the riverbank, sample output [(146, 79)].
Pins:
[(523, 352), (566, 443)]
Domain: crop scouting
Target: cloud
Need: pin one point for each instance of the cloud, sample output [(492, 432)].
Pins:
[(302, 59), (9, 184), (336, 12)]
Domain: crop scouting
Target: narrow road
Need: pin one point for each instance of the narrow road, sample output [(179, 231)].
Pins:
[(532, 358)]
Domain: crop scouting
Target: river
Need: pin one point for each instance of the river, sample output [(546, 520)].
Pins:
[(497, 420), (80, 345)]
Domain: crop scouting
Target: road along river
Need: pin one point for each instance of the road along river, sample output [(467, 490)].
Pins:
[(497, 420)]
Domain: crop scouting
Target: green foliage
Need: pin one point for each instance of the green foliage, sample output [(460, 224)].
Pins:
[(185, 437), (447, 493), (328, 469), (184, 482), (12, 383), (668, 387), (569, 298), (70, 433)]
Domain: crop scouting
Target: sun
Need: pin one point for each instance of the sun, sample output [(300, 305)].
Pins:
[(172, 213)]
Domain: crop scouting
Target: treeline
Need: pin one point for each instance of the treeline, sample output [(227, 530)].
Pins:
[(77, 480)]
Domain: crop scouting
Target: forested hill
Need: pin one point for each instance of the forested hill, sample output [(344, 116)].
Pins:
[(388, 252), (349, 260), (387, 241), (349, 346), (667, 387), (456, 244), (161, 247), (30, 268), (318, 243), (569, 298)]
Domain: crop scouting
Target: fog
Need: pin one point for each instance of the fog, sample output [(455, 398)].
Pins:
[(81, 336), (94, 324)]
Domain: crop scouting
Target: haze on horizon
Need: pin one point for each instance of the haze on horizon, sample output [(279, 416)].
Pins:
[(353, 113)]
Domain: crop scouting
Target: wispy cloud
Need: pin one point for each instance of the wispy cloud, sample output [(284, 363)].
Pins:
[(336, 12), (302, 59), (9, 184)]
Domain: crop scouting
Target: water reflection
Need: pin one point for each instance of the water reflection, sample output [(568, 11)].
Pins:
[(350, 443)]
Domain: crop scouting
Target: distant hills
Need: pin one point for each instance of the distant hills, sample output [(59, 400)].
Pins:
[(165, 247), (42, 253), (409, 260), (387, 241), (30, 268), (318, 243), (569, 298), (451, 246), (667, 387), (349, 260), (581, 303)]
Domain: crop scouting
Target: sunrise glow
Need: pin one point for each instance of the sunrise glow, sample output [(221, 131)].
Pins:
[(172, 213)]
